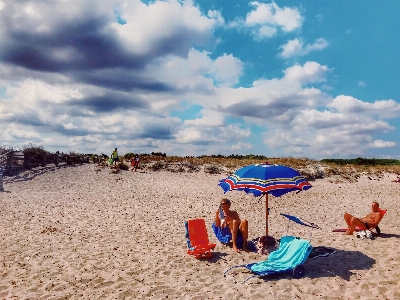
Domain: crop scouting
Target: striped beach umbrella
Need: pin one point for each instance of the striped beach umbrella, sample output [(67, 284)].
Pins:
[(264, 179)]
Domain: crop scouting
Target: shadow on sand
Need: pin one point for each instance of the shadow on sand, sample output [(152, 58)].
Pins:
[(340, 264), (25, 175), (215, 257), (343, 264), (389, 235)]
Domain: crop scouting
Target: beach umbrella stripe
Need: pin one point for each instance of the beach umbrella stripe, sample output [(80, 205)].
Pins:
[(235, 175), (238, 179), (241, 184), (265, 188)]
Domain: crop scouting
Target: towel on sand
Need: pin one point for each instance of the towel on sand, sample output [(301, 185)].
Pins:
[(291, 252)]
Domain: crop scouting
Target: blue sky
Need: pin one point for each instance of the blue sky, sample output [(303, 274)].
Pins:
[(315, 79)]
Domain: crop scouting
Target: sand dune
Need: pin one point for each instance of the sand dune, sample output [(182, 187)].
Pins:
[(80, 233)]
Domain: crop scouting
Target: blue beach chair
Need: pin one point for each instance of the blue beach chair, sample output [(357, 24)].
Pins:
[(289, 257)]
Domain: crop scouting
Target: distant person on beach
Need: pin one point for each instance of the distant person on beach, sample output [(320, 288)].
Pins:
[(132, 164), (135, 162), (114, 156), (232, 220), (369, 221)]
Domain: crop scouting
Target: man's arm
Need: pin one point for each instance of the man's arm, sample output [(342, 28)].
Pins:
[(217, 219)]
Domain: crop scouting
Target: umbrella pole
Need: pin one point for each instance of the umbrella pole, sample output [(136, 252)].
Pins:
[(266, 214)]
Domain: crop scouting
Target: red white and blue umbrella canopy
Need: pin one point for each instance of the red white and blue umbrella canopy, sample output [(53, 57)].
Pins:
[(265, 178)]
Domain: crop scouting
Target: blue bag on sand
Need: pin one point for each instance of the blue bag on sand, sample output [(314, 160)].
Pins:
[(224, 236)]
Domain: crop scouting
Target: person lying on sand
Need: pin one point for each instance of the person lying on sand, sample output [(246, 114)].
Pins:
[(369, 221), (232, 220)]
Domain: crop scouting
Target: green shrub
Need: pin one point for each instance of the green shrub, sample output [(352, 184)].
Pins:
[(212, 169), (123, 166), (128, 156), (33, 149), (363, 161), (157, 166)]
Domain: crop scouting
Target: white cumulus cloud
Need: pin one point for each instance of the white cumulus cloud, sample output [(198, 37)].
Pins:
[(383, 108), (362, 83), (381, 144), (310, 72), (267, 18), (241, 147), (296, 47)]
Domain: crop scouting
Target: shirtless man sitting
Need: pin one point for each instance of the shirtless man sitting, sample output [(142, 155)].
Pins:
[(369, 221), (232, 220)]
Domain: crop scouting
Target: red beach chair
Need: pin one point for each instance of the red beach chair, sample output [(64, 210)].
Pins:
[(197, 239), (377, 229)]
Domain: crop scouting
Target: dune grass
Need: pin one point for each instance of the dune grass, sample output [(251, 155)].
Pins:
[(350, 169), (309, 168)]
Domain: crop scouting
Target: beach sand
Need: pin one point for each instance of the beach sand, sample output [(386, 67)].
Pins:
[(81, 232)]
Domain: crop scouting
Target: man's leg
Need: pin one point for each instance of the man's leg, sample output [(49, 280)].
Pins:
[(347, 217), (233, 226), (244, 229), (354, 223)]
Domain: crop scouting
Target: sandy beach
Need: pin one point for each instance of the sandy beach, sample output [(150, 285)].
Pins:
[(82, 232)]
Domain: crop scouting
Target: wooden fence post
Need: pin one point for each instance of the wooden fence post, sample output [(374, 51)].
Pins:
[(56, 159), (10, 162), (1, 183), (27, 160)]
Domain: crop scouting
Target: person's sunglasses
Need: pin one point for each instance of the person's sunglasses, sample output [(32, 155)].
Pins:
[(224, 203)]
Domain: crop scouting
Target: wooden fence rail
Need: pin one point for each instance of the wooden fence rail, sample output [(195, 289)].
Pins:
[(13, 161)]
